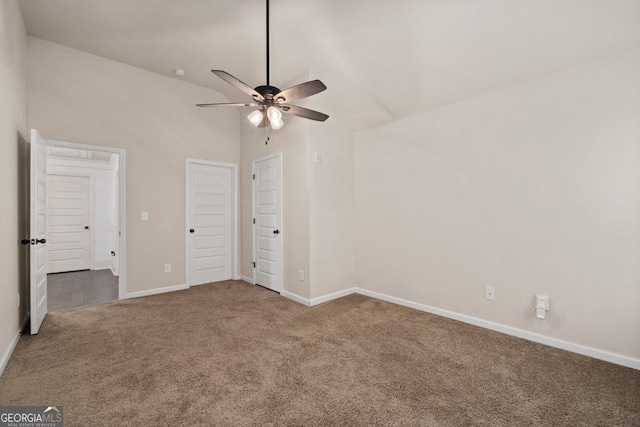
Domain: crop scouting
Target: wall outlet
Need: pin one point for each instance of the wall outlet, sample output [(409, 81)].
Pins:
[(301, 275), (167, 268), (542, 306), (144, 215), (490, 293), (18, 303), (542, 301)]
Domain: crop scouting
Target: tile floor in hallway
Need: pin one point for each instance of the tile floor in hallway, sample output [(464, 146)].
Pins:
[(79, 288)]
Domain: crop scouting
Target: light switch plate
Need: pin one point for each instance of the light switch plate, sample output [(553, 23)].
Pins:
[(145, 216)]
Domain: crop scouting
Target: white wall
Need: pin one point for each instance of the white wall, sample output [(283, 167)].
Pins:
[(104, 208), (77, 97), (531, 189), (13, 170)]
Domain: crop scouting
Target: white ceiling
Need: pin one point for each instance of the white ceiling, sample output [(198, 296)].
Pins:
[(381, 60)]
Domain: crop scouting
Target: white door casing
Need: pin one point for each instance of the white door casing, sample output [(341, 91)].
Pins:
[(38, 231), (211, 221), (267, 230), (69, 231)]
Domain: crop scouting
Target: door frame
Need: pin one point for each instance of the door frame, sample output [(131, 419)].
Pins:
[(277, 155), (92, 207), (235, 275), (122, 195)]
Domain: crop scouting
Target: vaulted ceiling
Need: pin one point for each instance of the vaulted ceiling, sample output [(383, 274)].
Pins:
[(381, 60)]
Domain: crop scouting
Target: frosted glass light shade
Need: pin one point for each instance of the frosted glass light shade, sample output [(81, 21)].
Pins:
[(275, 118), (255, 117)]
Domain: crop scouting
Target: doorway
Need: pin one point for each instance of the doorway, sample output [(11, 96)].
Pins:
[(211, 221), (267, 220), (83, 224)]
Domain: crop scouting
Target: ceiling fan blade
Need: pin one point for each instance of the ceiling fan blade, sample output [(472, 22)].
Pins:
[(303, 112), (237, 104), (238, 84), (300, 91)]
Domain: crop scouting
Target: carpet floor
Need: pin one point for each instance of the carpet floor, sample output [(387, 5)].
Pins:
[(231, 353)]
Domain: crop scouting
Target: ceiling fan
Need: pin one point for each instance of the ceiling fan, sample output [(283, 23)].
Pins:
[(270, 100)]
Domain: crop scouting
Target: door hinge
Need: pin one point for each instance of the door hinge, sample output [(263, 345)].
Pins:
[(254, 264), (254, 220), (254, 176)]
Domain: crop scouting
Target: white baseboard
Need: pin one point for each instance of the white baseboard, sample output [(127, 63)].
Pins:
[(329, 297), (317, 300), (7, 354), (296, 298), (247, 279), (103, 265), (156, 291), (596, 353)]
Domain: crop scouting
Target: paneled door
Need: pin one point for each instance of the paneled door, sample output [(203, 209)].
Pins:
[(210, 222), (38, 231), (267, 208), (69, 218)]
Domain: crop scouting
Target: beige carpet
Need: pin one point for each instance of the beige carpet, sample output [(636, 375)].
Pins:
[(235, 354)]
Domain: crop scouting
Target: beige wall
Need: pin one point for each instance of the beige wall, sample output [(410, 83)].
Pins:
[(78, 97), (293, 142), (13, 167), (332, 206), (531, 189)]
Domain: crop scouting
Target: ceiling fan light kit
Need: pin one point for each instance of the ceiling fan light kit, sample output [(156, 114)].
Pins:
[(272, 102)]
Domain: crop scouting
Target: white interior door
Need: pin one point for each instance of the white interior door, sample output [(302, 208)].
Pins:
[(38, 231), (69, 241), (210, 222), (267, 205)]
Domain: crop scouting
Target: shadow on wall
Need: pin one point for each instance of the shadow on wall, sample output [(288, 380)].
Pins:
[(23, 227)]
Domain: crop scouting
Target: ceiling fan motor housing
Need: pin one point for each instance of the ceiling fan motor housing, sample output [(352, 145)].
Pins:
[(268, 92)]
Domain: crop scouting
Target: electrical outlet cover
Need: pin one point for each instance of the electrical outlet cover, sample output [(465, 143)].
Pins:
[(490, 293), (542, 301)]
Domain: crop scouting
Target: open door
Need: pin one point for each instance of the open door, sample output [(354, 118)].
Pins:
[(38, 230)]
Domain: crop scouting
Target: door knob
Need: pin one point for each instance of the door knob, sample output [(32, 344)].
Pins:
[(276, 231), (86, 227), (24, 241), (41, 241), (192, 230)]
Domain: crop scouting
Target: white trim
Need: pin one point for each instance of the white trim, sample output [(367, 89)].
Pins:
[(156, 291), (277, 155), (92, 218), (122, 194), (247, 279), (296, 298), (235, 216), (9, 352), (329, 297), (103, 265), (607, 356), (79, 163)]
